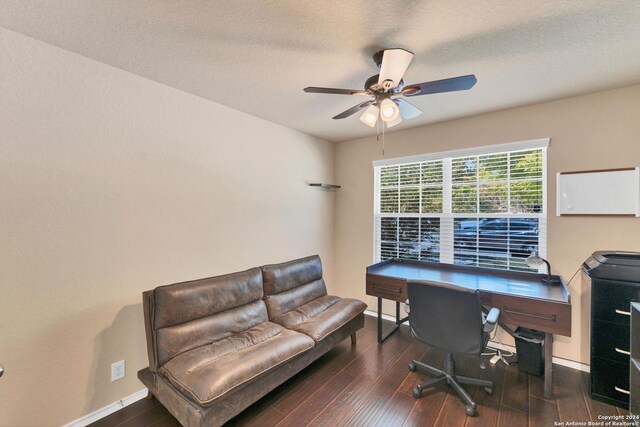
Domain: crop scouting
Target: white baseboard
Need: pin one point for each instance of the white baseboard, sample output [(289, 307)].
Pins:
[(107, 410), (375, 314), (572, 364), (557, 360)]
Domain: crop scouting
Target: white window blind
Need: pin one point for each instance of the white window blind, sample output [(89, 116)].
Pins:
[(487, 210)]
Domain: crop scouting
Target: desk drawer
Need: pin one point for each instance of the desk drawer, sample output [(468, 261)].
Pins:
[(547, 316), (387, 288)]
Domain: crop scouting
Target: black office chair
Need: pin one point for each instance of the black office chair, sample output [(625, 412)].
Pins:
[(450, 318)]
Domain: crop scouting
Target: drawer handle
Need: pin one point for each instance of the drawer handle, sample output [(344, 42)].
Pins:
[(551, 318), (624, 313), (385, 289), (628, 353), (621, 390)]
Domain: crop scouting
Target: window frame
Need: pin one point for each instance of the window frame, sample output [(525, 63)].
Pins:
[(446, 248)]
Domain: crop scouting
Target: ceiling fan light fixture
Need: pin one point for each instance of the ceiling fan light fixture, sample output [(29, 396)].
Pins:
[(370, 116), (392, 123), (389, 110)]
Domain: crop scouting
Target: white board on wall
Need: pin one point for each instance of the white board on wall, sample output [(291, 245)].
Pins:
[(599, 192)]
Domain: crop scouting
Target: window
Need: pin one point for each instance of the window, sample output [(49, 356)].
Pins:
[(484, 207)]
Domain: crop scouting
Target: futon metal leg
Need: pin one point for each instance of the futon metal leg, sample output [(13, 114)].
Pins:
[(548, 365), (353, 338)]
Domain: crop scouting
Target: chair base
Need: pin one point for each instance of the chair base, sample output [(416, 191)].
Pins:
[(448, 376)]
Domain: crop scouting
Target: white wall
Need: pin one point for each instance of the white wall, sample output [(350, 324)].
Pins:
[(111, 184)]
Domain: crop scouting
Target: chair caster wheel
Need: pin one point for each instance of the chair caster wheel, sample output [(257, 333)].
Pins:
[(417, 393), (412, 367), (489, 390), (470, 410)]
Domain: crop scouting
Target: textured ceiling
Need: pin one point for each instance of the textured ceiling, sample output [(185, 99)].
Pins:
[(256, 56)]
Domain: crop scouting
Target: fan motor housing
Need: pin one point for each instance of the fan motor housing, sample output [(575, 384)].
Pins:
[(371, 85), (371, 82)]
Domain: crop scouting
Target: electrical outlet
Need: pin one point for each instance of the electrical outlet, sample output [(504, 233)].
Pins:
[(117, 370)]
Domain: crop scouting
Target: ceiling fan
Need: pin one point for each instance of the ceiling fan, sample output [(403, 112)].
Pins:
[(387, 88)]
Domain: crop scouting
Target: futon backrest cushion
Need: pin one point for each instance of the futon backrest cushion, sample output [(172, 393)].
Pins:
[(291, 284), (183, 316)]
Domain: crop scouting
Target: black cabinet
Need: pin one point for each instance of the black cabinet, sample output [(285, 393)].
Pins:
[(611, 299), (610, 344)]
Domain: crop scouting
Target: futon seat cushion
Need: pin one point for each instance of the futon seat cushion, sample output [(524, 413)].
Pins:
[(321, 316), (209, 372)]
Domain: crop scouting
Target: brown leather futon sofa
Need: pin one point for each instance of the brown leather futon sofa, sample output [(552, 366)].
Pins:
[(219, 344)]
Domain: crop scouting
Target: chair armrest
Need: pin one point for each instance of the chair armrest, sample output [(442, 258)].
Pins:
[(492, 319)]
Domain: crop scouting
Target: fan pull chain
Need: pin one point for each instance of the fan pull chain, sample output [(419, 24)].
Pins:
[(383, 140), (378, 124)]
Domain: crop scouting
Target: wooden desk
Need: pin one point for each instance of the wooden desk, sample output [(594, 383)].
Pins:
[(523, 299)]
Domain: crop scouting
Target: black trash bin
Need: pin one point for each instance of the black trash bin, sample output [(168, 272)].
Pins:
[(529, 350)]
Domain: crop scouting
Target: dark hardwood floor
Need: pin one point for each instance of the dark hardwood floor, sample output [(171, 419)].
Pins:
[(370, 385)]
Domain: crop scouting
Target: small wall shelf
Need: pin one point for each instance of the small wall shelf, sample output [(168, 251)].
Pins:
[(324, 186)]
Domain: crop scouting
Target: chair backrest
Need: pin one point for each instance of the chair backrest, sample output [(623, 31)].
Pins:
[(187, 315), (289, 285), (446, 316)]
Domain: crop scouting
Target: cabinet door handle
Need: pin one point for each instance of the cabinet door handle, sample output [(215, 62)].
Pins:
[(628, 353), (1, 371), (551, 318), (621, 390), (385, 289), (624, 313)]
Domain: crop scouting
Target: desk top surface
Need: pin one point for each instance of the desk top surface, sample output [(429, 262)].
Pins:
[(522, 284)]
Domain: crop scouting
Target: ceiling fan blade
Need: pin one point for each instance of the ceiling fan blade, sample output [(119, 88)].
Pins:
[(333, 91), (439, 86), (353, 109), (394, 64), (407, 109)]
